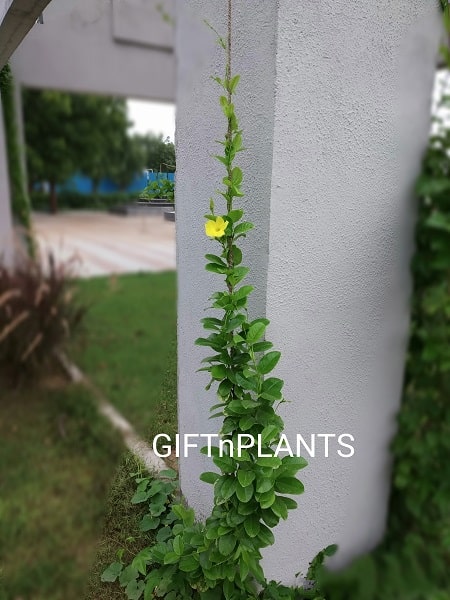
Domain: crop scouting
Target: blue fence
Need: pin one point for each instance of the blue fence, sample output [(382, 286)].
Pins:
[(83, 185)]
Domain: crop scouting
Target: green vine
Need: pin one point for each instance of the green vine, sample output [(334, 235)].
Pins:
[(21, 208), (221, 558)]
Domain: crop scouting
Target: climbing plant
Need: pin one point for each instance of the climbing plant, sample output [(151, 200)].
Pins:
[(220, 559), (19, 196)]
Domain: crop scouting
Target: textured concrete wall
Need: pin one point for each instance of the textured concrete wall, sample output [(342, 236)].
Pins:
[(351, 122), (199, 123), (100, 46), (6, 235), (338, 125)]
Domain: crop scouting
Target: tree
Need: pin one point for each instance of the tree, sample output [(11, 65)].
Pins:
[(48, 133), (99, 136), (66, 133), (159, 153), (127, 162)]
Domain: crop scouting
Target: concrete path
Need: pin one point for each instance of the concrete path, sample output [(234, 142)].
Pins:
[(104, 244)]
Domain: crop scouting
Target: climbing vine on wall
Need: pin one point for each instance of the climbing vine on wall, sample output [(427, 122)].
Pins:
[(19, 196)]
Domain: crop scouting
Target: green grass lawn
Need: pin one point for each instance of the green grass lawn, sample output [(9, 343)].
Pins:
[(128, 343), (57, 461)]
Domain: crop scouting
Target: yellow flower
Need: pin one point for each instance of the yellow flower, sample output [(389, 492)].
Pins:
[(216, 229)]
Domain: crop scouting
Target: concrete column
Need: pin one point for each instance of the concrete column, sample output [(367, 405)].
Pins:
[(334, 104), (6, 230)]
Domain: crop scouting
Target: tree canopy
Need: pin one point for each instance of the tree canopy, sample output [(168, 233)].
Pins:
[(69, 133)]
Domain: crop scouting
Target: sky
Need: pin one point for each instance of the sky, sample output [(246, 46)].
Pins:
[(152, 117)]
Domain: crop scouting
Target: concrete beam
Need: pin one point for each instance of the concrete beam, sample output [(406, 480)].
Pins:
[(17, 18), (100, 47)]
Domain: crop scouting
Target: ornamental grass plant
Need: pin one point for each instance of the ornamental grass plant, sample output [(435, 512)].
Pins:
[(38, 315)]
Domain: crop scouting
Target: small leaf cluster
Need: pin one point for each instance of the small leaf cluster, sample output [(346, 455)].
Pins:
[(160, 188), (164, 520)]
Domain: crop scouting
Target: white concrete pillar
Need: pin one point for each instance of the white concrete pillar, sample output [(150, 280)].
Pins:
[(6, 230), (334, 104)]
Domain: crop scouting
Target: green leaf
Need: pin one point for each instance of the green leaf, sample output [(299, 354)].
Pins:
[(279, 508), (218, 372), (178, 545), (228, 487), (289, 503), (214, 268), (268, 362), (246, 422), (171, 558), (262, 346), (271, 388), (245, 477), (213, 258), (224, 388), (242, 228), (270, 518), (330, 550), (211, 342), (255, 332), (269, 433), (227, 544), (246, 383), (164, 534), (237, 143), (264, 485), (235, 322), (221, 82), (168, 474), (289, 485), (139, 497), (128, 574), (244, 494), (232, 84), (112, 572), (252, 525), (242, 292), (235, 215), (141, 560), (209, 477), (269, 461), (294, 462), (237, 255), (148, 522), (236, 176), (210, 323), (266, 536), (225, 463), (134, 590), (188, 564), (237, 274), (223, 159), (267, 499)]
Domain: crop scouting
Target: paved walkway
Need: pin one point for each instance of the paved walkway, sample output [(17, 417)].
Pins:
[(104, 244)]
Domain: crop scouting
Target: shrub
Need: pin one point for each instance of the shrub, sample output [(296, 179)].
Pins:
[(70, 199), (161, 188), (37, 315)]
